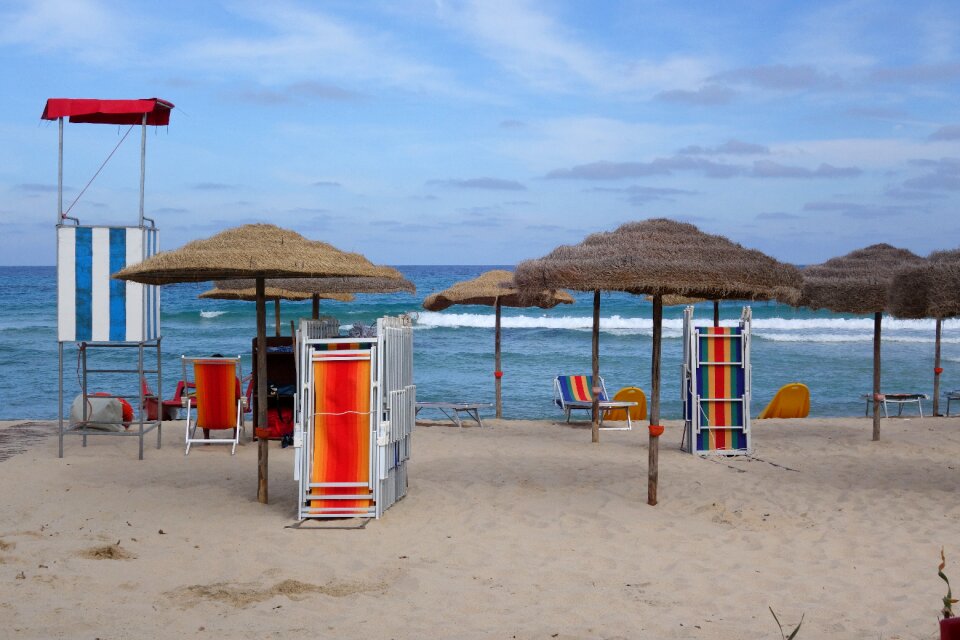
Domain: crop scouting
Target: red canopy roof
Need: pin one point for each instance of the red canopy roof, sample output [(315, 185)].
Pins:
[(109, 111)]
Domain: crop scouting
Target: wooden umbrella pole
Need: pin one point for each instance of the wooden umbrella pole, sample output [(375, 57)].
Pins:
[(262, 443), (316, 306), (936, 369), (653, 462), (497, 371), (276, 315), (877, 318), (716, 313), (595, 427)]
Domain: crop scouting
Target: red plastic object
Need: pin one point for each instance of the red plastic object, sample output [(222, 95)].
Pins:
[(498, 374), (97, 111), (950, 629), (938, 370), (656, 430)]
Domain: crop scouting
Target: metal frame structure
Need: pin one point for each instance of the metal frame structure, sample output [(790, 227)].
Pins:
[(693, 413), (122, 112), (391, 416)]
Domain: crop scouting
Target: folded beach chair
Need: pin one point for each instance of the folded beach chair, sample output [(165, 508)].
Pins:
[(218, 401), (341, 430), (355, 417), (716, 387), (791, 401)]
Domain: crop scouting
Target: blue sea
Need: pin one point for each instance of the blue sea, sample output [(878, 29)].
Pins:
[(830, 353)]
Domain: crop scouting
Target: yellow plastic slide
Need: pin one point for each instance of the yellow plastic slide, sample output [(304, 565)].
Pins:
[(791, 401)]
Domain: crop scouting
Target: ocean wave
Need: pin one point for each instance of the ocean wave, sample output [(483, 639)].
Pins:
[(616, 323), (211, 314), (848, 337)]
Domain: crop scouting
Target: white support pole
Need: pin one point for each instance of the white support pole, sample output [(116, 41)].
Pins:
[(60, 173), (143, 163)]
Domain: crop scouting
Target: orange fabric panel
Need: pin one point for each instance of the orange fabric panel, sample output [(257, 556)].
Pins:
[(341, 436), (217, 393)]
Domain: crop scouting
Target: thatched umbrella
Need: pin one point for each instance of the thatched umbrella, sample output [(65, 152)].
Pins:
[(320, 287), (858, 283), (495, 289), (271, 293), (660, 257), (929, 290), (258, 251)]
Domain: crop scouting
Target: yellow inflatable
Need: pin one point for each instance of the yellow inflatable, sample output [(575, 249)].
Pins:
[(629, 394), (791, 401)]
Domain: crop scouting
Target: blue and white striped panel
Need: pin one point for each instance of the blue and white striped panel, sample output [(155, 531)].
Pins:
[(90, 305)]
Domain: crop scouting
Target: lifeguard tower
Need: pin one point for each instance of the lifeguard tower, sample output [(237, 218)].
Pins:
[(95, 312)]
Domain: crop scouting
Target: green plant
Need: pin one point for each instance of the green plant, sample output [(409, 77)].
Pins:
[(948, 600), (796, 630)]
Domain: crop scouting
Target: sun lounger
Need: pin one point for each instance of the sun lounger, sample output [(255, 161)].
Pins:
[(953, 395), (576, 392), (453, 410), (898, 399)]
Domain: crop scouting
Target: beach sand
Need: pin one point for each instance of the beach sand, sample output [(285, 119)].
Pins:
[(522, 529)]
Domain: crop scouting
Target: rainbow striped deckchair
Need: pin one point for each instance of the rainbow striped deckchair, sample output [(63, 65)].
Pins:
[(218, 400), (575, 392), (717, 387)]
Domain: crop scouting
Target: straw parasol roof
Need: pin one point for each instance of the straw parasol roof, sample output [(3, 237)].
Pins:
[(321, 286), (493, 286), (495, 289), (930, 290), (661, 256), (258, 251), (269, 292), (671, 300), (252, 250), (858, 282)]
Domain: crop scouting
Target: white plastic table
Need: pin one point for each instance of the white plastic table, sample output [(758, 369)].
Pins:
[(898, 399), (453, 410)]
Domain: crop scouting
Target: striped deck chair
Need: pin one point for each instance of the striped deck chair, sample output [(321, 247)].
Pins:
[(575, 392), (341, 432), (717, 407), (217, 400)]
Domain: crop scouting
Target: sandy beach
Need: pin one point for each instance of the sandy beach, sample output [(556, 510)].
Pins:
[(522, 529)]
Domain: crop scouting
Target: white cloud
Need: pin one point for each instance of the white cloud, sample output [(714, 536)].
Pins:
[(551, 143), (296, 43), (546, 54), (866, 153), (84, 28)]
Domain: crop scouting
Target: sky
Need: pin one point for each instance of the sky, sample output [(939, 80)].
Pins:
[(488, 132)]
